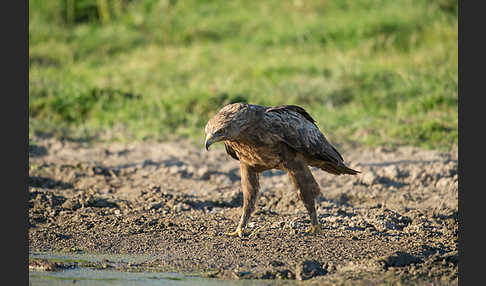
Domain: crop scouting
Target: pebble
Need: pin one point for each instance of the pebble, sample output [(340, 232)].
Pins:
[(203, 173), (369, 178), (181, 207), (443, 183), (391, 171), (308, 269)]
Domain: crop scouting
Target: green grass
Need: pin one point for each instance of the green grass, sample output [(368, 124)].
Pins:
[(369, 71)]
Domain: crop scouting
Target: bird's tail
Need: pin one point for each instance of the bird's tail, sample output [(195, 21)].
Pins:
[(347, 170), (338, 169)]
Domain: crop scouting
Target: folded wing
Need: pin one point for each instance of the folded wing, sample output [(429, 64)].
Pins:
[(295, 127)]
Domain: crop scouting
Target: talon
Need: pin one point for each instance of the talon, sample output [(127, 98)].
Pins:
[(314, 229), (237, 232)]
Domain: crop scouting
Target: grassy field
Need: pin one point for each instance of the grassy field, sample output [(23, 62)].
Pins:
[(373, 72)]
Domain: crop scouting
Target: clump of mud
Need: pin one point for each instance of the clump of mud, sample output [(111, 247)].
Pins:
[(397, 221)]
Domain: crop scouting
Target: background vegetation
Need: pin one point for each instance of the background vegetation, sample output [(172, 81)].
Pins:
[(372, 72)]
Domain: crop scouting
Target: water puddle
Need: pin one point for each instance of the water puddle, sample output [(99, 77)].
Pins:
[(91, 269)]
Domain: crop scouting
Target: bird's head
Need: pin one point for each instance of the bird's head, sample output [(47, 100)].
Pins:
[(226, 124)]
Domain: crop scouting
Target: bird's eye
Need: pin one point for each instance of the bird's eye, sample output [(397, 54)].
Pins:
[(220, 132)]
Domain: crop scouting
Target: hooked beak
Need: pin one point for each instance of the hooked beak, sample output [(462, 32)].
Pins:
[(210, 140)]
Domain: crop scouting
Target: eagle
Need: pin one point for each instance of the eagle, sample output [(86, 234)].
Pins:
[(282, 137)]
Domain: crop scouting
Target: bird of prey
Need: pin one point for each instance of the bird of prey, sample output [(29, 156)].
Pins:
[(282, 137)]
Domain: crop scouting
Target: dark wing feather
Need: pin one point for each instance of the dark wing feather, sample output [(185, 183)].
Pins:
[(295, 108), (294, 126), (230, 151)]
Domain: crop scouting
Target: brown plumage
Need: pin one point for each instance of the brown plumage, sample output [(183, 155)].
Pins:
[(283, 137)]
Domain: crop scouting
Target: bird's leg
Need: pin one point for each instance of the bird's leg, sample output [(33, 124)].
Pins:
[(250, 186), (315, 227), (309, 203), (307, 190)]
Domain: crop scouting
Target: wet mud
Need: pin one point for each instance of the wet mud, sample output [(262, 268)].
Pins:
[(395, 223)]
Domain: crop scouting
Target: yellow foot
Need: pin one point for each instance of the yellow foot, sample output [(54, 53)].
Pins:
[(314, 229), (237, 232)]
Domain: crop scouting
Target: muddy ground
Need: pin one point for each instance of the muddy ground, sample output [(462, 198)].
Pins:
[(397, 222)]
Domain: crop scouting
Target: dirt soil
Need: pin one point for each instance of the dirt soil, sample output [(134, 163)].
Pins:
[(395, 223)]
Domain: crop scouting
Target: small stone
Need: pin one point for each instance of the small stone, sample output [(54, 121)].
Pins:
[(369, 178), (276, 263), (243, 275), (443, 183), (398, 259), (174, 170), (203, 173), (71, 204), (285, 274), (182, 207), (308, 269), (190, 169), (155, 206), (391, 171), (226, 182)]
